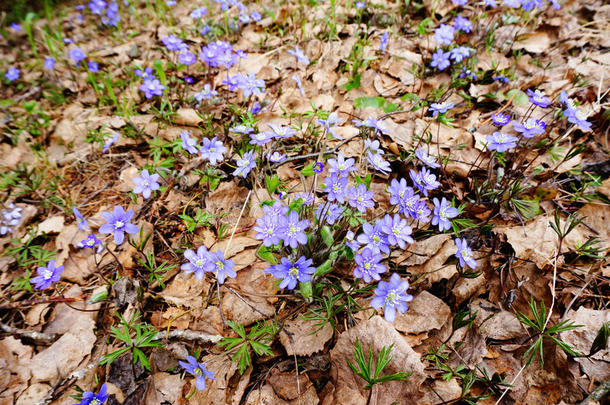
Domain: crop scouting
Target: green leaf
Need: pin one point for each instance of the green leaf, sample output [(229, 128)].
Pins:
[(327, 235), (364, 102), (601, 340), (324, 268), (520, 98), (353, 83), (272, 183), (308, 170), (98, 297), (260, 348), (243, 355), (265, 254)]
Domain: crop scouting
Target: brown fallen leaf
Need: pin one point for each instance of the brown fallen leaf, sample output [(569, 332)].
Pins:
[(186, 291), (426, 312), (188, 117), (537, 42), (298, 338), (266, 395), (15, 369), (288, 386)]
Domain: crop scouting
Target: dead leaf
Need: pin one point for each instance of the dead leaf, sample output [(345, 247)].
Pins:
[(426, 312), (188, 117), (15, 369), (288, 386), (537, 42), (185, 290), (298, 338)]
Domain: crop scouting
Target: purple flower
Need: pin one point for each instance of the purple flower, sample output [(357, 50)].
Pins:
[(341, 166), (146, 74), (459, 53), (249, 84), (198, 263), (330, 123), (378, 162), (213, 150), (152, 87), (329, 213), (360, 198), (255, 16), (392, 296), (49, 63), (318, 167), (89, 398), (241, 129), (441, 108), (15, 27), (368, 266), (276, 157), (207, 93), (530, 128), (268, 229), (383, 42), (373, 124), (261, 138), (373, 146), (409, 203), (578, 118), (118, 224), (110, 142), (221, 268), (440, 59), (81, 222), (292, 230), (276, 211), (501, 142), (188, 144), (300, 55), (9, 217), (500, 119), (397, 230), (245, 164), (538, 98), (297, 80), (335, 187), (444, 34), (198, 370), (308, 198), (426, 159), (443, 211), (289, 272), (466, 73), (187, 58), (198, 13), (112, 14), (90, 242), (462, 24), (360, 4), (422, 212), (424, 180), (374, 238), (146, 183), (281, 131), (93, 66), (173, 43), (12, 74), (512, 3), (459, 2), (397, 190), (464, 254), (76, 55), (351, 243), (47, 275), (97, 6)]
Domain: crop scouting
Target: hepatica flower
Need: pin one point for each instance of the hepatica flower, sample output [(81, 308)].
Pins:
[(372, 123), (378, 162), (198, 263), (318, 167), (340, 165), (90, 242), (146, 183), (187, 58), (281, 131), (261, 138), (118, 224), (90, 398), (276, 157), (173, 43), (538, 98), (462, 24), (444, 34), (299, 54), (81, 222), (47, 275), (459, 53), (198, 370), (441, 108), (398, 190), (367, 265), (500, 119), (220, 267), (188, 144), (397, 230), (440, 59), (93, 66), (374, 238), (426, 159), (424, 180), (578, 118), (290, 273), (530, 128), (329, 213), (76, 55), (360, 198), (443, 212), (110, 142), (392, 296), (207, 93), (49, 63), (12, 74), (292, 230), (245, 164), (152, 87), (383, 42), (330, 123), (501, 142), (9, 217), (335, 186), (269, 229), (213, 150), (464, 254)]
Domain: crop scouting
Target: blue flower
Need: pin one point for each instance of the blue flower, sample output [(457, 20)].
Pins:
[(538, 98), (198, 263), (459, 2), (290, 273), (241, 129), (268, 229), (76, 55), (89, 398), (373, 146), (300, 55), (118, 224), (255, 16), (421, 212), (397, 190), (12, 74), (187, 58), (459, 53), (173, 43), (213, 150), (198, 12), (292, 230), (378, 162), (335, 187), (360, 4), (198, 370), (318, 167), (330, 123), (90, 242), (93, 66), (329, 213), (49, 63), (221, 268), (578, 118), (276, 211), (276, 157), (261, 138), (443, 211), (81, 222), (245, 164), (392, 296), (441, 108), (530, 128), (351, 242), (152, 87), (373, 124), (426, 159), (97, 6), (110, 142), (501, 142), (383, 42), (368, 266), (397, 230), (440, 59), (282, 131), (444, 34), (360, 198), (47, 275), (188, 144), (500, 119), (424, 180), (146, 183), (464, 254), (462, 24), (341, 166), (374, 238), (207, 93)]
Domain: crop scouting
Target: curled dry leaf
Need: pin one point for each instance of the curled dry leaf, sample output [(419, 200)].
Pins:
[(299, 339), (426, 312)]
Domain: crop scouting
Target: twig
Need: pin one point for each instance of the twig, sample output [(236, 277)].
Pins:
[(188, 334), (599, 393), (36, 337)]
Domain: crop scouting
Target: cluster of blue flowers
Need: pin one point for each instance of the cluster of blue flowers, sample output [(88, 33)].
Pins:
[(444, 36), (108, 11), (151, 86), (9, 218)]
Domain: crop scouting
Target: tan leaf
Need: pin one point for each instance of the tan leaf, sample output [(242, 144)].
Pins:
[(185, 290), (188, 117), (426, 312), (298, 337), (537, 42)]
